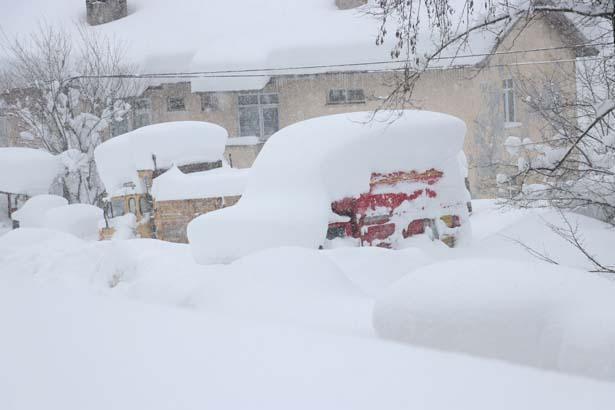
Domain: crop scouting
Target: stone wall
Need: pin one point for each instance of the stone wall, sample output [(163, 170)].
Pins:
[(172, 217)]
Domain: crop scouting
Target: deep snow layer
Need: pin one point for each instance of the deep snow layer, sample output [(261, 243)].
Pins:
[(137, 323), (208, 35)]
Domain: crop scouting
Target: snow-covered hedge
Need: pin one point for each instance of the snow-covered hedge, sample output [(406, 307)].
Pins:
[(531, 313)]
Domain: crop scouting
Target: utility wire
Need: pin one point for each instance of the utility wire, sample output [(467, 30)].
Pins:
[(266, 72)]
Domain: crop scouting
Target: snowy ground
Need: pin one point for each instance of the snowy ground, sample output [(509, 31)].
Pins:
[(137, 324)]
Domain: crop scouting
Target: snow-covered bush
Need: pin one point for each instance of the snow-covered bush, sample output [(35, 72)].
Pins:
[(33, 213), (536, 314)]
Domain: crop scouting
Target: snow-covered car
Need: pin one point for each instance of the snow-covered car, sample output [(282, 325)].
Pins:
[(369, 180)]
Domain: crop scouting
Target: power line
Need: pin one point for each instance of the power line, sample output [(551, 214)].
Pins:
[(267, 72)]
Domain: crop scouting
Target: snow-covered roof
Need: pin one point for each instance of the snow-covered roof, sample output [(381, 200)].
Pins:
[(208, 35), (172, 143), (219, 182), (27, 171), (306, 166)]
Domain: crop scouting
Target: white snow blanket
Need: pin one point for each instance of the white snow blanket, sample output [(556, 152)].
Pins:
[(81, 220), (535, 314), (32, 213), (304, 167), (219, 182), (172, 143), (209, 35), (27, 171)]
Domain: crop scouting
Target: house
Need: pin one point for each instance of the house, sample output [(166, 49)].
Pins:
[(286, 71), (165, 175)]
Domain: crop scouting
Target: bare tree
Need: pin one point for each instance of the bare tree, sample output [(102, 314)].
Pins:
[(572, 165), (63, 94)]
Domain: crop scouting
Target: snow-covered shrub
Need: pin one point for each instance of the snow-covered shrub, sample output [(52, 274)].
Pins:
[(536, 314), (32, 213)]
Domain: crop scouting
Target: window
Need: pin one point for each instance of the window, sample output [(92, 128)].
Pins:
[(4, 132), (209, 102), (176, 104), (509, 101), (117, 207), (132, 206), (258, 115), (346, 96)]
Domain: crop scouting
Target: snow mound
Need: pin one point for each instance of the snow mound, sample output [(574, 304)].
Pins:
[(219, 182), (303, 168), (373, 269), (292, 285), (530, 313), (172, 143), (27, 171), (32, 213), (81, 220)]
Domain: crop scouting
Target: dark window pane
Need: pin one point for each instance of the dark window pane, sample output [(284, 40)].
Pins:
[(249, 122), (145, 205), (248, 99), (142, 104), (209, 102), (176, 104), (356, 95), (269, 99), (270, 121), (337, 96), (117, 206), (132, 206)]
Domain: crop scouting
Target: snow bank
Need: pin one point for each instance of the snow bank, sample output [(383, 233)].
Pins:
[(32, 213), (219, 182), (27, 171), (530, 313), (306, 166), (179, 143), (80, 220)]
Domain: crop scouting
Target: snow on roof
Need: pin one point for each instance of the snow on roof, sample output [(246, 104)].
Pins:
[(219, 182), (179, 143), (306, 166), (27, 171), (208, 35)]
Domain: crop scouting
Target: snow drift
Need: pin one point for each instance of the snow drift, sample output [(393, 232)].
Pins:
[(32, 213), (157, 146), (27, 171), (304, 167), (175, 185), (81, 220), (530, 313)]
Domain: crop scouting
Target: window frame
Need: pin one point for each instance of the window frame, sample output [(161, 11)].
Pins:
[(262, 101), (509, 105), (346, 92)]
